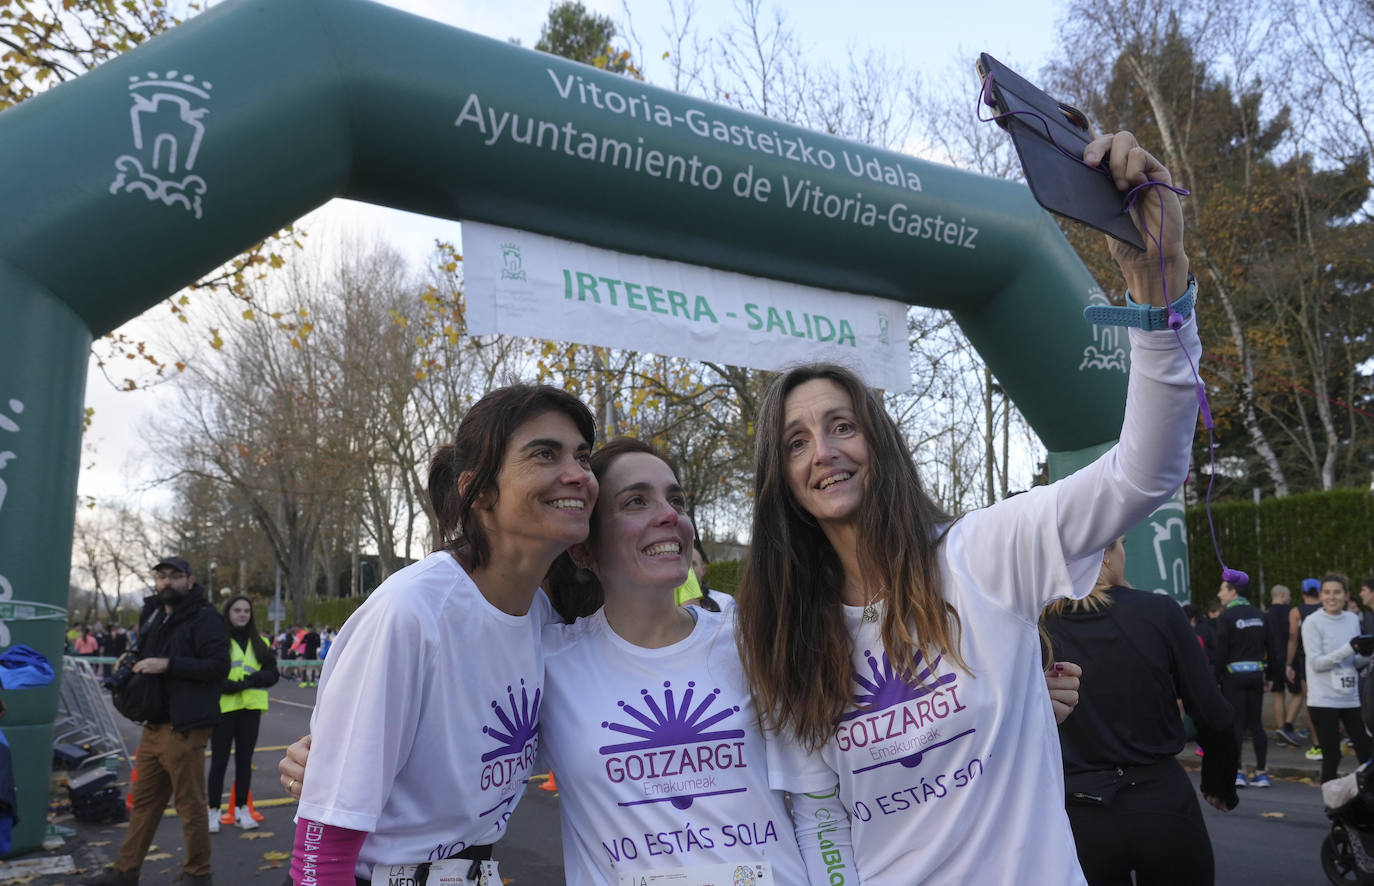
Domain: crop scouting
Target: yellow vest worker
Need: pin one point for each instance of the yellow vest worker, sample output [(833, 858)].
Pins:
[(689, 589), (242, 663), (243, 698)]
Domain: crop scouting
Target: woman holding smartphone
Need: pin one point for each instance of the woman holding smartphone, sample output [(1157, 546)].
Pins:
[(899, 645)]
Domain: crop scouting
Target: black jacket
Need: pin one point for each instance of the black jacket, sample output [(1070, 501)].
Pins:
[(195, 641), (1241, 636), (1138, 656)]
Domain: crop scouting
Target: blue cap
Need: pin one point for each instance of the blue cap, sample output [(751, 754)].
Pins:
[(1311, 586)]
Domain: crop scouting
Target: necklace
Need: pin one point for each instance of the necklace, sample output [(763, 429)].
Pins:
[(871, 605)]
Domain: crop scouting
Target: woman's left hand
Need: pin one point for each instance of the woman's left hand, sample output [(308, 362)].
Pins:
[(292, 766), (1157, 212), (1062, 681)]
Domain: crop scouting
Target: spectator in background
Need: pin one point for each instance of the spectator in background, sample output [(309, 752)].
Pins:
[(1367, 599), (86, 643), (1126, 794), (243, 699), (1297, 669), (1334, 650), (310, 651), (1241, 643), (1207, 628), (185, 646), (1287, 693)]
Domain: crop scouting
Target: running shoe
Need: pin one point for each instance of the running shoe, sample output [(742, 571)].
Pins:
[(1240, 780), (1286, 735), (1261, 780), (1313, 753), (302, 684), (214, 821), (243, 819), (1304, 734)]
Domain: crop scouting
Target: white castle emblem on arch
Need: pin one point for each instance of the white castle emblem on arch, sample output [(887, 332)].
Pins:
[(1107, 350), (167, 117)]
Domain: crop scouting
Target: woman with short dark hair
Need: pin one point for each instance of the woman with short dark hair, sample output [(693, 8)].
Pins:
[(426, 724)]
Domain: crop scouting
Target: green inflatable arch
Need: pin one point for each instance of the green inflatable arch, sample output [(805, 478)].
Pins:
[(123, 186)]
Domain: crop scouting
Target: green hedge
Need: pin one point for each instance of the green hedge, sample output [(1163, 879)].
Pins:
[(1284, 540), (723, 576), (333, 612)]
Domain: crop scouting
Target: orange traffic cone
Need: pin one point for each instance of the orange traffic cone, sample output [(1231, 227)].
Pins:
[(227, 817), (549, 784), (133, 777)]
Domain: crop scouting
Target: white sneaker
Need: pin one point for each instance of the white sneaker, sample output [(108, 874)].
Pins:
[(214, 821), (243, 819)]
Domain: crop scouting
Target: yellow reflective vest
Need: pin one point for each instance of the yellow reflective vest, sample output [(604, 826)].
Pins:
[(242, 662)]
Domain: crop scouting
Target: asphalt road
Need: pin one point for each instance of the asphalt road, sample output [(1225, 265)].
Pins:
[(1271, 839)]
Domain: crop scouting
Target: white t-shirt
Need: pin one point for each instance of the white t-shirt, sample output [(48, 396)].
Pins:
[(426, 725), (659, 760), (962, 782)]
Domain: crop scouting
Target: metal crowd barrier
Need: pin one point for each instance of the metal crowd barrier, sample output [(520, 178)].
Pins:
[(84, 714)]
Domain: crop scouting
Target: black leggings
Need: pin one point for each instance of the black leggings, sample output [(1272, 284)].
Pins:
[(1159, 809), (1328, 722), (1245, 693), (239, 728)]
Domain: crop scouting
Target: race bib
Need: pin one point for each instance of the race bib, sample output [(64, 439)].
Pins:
[(447, 872), (1343, 680), (704, 875)]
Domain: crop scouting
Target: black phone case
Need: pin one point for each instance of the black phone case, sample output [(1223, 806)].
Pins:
[(1060, 185)]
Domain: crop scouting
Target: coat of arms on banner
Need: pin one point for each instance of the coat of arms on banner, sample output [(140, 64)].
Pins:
[(512, 266), (167, 116)]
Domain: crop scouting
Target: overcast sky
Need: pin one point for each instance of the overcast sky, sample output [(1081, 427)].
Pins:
[(926, 36)]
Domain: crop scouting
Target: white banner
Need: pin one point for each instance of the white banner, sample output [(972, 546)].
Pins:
[(525, 284)]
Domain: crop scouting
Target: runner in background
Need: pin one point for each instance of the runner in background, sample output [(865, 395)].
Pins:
[(1241, 644)]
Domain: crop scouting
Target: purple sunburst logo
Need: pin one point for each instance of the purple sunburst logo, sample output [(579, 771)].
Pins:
[(671, 723), (887, 689), (520, 723)]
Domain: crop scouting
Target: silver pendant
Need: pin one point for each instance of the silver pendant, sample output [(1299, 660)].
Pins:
[(870, 613)]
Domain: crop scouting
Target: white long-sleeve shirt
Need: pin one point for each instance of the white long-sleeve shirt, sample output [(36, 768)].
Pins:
[(958, 779), (1332, 681)]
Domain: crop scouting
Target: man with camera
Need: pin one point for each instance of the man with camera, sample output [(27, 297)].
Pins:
[(173, 688)]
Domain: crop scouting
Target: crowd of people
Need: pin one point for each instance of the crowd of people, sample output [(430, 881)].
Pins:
[(895, 695), (1313, 658)]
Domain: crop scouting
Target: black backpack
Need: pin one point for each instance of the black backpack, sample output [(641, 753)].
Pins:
[(140, 697)]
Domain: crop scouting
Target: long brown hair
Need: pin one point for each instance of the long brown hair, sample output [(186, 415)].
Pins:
[(480, 447), (793, 641), (574, 591)]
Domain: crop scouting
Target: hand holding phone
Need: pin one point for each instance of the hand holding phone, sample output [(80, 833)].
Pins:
[(1050, 138)]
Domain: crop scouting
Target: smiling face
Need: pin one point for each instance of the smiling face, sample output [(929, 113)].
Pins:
[(239, 613), (1333, 596), (643, 539), (545, 490), (824, 452)]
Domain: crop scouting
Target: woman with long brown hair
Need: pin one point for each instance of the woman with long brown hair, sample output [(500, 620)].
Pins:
[(252, 671), (901, 645)]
